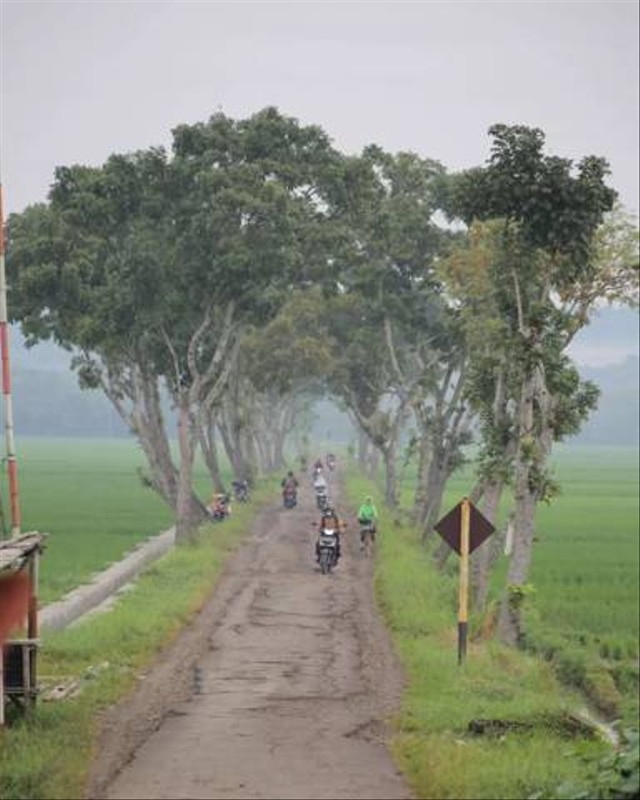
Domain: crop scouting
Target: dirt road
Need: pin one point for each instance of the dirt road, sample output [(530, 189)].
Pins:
[(279, 689)]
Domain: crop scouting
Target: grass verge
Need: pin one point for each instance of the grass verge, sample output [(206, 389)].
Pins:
[(50, 754), (433, 745)]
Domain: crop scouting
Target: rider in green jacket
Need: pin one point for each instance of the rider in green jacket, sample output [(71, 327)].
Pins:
[(367, 515)]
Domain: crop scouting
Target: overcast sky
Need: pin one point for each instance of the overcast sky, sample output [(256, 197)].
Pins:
[(82, 80)]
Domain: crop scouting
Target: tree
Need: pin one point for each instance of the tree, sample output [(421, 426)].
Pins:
[(151, 265), (544, 279)]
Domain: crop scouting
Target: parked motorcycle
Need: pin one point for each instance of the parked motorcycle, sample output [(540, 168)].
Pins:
[(219, 507)]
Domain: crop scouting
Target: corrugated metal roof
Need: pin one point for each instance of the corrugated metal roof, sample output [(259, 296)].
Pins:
[(15, 552)]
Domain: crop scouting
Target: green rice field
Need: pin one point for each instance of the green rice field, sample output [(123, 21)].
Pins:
[(86, 494), (584, 610)]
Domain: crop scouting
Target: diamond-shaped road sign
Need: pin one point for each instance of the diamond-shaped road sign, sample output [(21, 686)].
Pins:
[(449, 527)]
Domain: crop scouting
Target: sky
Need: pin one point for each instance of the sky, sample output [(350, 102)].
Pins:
[(82, 80)]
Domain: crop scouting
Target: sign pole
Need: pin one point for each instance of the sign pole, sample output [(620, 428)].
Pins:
[(463, 598)]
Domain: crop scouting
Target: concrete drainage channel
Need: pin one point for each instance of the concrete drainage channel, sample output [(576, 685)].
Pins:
[(96, 596)]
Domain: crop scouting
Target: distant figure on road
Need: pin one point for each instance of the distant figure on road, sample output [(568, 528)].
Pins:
[(289, 489)]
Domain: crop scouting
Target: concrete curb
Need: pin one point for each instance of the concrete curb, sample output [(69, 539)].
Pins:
[(58, 615)]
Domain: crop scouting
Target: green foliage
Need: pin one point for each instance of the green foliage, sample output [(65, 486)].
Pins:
[(615, 777), (518, 594)]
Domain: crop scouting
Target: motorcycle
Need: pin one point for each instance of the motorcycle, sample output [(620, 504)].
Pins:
[(322, 500), (289, 498), (327, 550)]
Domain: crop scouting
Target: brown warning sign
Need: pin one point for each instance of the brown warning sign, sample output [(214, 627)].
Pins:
[(449, 527)]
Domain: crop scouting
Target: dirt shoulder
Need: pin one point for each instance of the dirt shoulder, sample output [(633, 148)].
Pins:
[(280, 687)]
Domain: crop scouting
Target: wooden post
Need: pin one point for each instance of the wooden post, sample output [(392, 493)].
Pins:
[(463, 597)]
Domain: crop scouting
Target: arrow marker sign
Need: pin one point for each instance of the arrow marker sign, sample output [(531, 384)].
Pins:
[(450, 526), (464, 529)]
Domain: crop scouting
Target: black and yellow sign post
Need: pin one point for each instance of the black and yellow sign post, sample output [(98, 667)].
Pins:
[(464, 528)]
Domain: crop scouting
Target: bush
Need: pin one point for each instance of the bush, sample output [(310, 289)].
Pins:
[(615, 777)]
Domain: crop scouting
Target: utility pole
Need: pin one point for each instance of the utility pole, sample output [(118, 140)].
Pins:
[(12, 464)]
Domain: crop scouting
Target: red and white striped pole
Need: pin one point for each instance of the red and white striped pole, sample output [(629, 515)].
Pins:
[(12, 464)]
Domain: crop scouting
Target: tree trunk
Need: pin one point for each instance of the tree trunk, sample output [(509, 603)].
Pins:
[(391, 478), (525, 498), (188, 516), (421, 497), (363, 448), (437, 476), (373, 462), (207, 441), (231, 445), (484, 557)]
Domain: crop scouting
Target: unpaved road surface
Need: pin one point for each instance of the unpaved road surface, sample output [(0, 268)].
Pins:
[(281, 687)]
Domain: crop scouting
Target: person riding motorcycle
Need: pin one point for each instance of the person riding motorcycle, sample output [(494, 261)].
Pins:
[(367, 516), (241, 489), (330, 521), (320, 484), (289, 485)]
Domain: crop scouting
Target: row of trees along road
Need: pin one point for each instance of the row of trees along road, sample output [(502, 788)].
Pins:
[(255, 267)]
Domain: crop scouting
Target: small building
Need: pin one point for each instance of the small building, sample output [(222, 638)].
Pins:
[(19, 563)]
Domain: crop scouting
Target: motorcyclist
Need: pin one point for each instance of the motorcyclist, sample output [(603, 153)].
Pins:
[(320, 484), (330, 521), (320, 488), (367, 515), (241, 489), (219, 506), (289, 485)]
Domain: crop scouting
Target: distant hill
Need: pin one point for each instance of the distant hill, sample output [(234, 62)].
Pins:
[(616, 420), (48, 401)]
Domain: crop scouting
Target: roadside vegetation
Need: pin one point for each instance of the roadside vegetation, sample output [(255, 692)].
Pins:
[(48, 756), (509, 723)]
